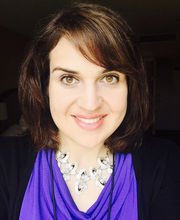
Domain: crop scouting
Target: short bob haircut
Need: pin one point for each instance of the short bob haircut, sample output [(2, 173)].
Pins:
[(105, 39)]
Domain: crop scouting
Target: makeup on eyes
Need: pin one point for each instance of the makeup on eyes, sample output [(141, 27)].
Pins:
[(69, 77), (109, 78)]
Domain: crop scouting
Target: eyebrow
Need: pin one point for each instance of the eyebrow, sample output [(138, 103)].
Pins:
[(72, 71), (64, 70)]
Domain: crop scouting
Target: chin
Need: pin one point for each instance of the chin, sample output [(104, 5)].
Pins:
[(90, 142)]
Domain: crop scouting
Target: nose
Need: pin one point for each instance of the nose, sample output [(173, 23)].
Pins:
[(90, 99)]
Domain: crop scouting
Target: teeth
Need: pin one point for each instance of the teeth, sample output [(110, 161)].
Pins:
[(89, 121)]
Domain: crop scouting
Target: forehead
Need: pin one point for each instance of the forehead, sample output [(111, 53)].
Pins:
[(66, 55)]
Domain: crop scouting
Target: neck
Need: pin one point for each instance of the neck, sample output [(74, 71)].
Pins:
[(83, 155)]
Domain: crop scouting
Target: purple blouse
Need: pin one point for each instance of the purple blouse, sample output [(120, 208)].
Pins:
[(37, 203)]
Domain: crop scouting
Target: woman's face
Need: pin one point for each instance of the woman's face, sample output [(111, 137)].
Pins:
[(87, 102)]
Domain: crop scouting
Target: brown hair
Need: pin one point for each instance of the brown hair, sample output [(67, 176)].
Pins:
[(105, 39)]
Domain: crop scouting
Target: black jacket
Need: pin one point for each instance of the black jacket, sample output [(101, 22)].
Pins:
[(156, 164)]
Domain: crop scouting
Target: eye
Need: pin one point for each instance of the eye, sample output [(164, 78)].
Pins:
[(111, 79), (68, 80)]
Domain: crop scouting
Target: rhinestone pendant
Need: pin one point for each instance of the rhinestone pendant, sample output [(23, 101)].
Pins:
[(101, 181), (83, 176), (62, 157), (80, 187), (94, 173)]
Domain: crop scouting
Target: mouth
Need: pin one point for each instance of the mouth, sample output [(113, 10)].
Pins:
[(89, 119), (89, 122)]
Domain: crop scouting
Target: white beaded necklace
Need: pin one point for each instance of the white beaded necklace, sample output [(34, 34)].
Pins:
[(83, 176)]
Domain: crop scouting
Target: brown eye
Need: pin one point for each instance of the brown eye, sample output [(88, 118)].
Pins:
[(111, 79), (68, 80)]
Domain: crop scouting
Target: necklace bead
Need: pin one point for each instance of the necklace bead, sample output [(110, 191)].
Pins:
[(97, 174)]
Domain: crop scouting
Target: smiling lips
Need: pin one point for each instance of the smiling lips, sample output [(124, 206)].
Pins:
[(89, 122)]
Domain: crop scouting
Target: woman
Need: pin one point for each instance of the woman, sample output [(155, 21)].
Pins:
[(84, 97)]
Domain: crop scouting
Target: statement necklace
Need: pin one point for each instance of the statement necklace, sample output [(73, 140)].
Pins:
[(83, 176)]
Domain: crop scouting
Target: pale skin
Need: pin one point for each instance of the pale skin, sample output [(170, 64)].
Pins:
[(79, 87)]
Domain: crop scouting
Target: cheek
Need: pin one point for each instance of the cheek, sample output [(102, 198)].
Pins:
[(59, 100), (55, 100), (56, 103), (118, 103), (117, 100)]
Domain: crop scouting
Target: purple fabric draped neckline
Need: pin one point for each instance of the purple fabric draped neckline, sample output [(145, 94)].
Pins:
[(37, 203)]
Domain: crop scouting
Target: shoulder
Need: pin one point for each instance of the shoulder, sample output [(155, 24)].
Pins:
[(16, 148), (157, 169), (16, 154), (13, 141), (157, 163), (153, 150)]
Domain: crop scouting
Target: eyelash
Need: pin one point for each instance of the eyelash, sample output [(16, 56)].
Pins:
[(64, 77), (115, 77)]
